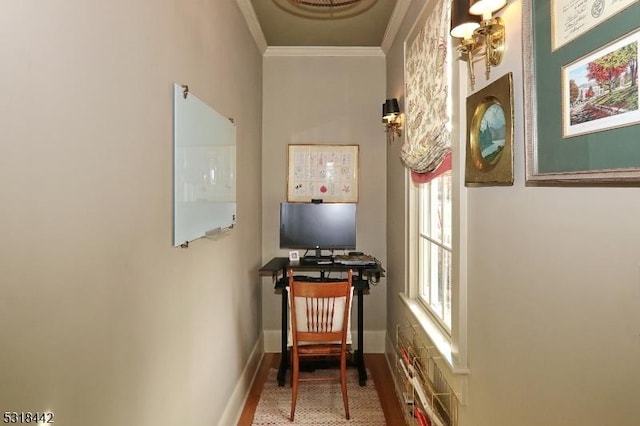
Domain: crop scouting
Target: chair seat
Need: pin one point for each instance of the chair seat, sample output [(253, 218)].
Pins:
[(319, 350)]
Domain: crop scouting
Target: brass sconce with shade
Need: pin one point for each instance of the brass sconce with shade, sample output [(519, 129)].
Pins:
[(488, 32), (391, 118)]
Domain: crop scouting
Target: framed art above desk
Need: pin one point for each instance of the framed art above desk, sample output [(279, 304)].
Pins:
[(322, 172)]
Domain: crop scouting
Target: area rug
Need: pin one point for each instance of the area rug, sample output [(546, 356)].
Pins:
[(319, 403)]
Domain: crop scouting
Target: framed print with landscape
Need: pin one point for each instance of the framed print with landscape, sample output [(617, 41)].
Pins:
[(596, 96), (581, 91), (489, 159), (322, 172)]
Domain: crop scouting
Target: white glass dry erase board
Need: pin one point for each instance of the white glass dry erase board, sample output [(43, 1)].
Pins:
[(204, 169)]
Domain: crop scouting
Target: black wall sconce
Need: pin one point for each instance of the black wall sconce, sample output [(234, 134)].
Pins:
[(392, 119)]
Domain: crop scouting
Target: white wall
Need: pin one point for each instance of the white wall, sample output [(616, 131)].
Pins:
[(554, 285), (315, 98), (102, 321)]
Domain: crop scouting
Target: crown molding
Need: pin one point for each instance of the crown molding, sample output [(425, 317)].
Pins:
[(393, 26), (252, 22), (399, 12), (322, 51)]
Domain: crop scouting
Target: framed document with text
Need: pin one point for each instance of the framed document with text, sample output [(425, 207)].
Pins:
[(582, 120), (573, 18), (322, 172)]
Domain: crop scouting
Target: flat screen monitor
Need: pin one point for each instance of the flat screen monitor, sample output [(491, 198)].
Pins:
[(318, 226)]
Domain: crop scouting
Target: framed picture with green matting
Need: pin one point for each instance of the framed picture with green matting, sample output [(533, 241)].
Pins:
[(581, 66)]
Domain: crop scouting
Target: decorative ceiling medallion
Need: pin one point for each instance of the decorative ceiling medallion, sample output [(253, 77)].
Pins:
[(325, 3), (325, 9)]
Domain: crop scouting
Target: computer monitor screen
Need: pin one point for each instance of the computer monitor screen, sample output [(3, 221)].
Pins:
[(319, 226)]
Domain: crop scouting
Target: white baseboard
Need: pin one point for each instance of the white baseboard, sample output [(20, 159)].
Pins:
[(374, 341), (235, 405), (390, 355)]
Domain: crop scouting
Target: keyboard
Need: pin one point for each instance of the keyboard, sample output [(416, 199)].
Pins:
[(359, 260), (317, 261)]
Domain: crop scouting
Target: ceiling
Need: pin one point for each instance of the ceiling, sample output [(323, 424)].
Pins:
[(279, 23)]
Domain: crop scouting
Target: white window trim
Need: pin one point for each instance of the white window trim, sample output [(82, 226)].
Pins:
[(453, 348)]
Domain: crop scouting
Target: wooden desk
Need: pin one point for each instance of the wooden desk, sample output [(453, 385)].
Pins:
[(362, 274)]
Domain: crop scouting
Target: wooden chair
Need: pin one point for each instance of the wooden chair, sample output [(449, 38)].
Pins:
[(320, 313)]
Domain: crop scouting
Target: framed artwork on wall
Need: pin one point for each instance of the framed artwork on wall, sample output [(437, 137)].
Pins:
[(597, 97), (571, 19), (581, 92), (322, 172), (489, 159)]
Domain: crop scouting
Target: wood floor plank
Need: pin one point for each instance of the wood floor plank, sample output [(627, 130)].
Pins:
[(381, 375)]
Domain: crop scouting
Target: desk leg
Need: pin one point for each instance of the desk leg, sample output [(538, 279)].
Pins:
[(362, 370), (284, 358)]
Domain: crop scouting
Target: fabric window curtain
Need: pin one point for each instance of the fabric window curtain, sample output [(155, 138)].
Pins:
[(444, 167), (428, 139)]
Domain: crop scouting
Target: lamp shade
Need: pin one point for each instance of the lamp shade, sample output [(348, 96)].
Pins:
[(462, 22), (486, 7), (390, 107)]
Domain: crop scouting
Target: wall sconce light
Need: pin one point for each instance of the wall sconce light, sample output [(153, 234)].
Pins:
[(489, 32), (392, 119)]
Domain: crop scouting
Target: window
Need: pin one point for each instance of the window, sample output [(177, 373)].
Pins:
[(437, 289), (436, 293), (434, 248)]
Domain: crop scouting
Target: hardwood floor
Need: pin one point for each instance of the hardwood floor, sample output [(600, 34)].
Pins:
[(377, 366)]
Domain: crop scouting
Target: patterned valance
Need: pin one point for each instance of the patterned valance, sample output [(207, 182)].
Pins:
[(428, 139)]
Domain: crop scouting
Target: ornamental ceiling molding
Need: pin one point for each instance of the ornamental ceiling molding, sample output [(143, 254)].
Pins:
[(323, 51)]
